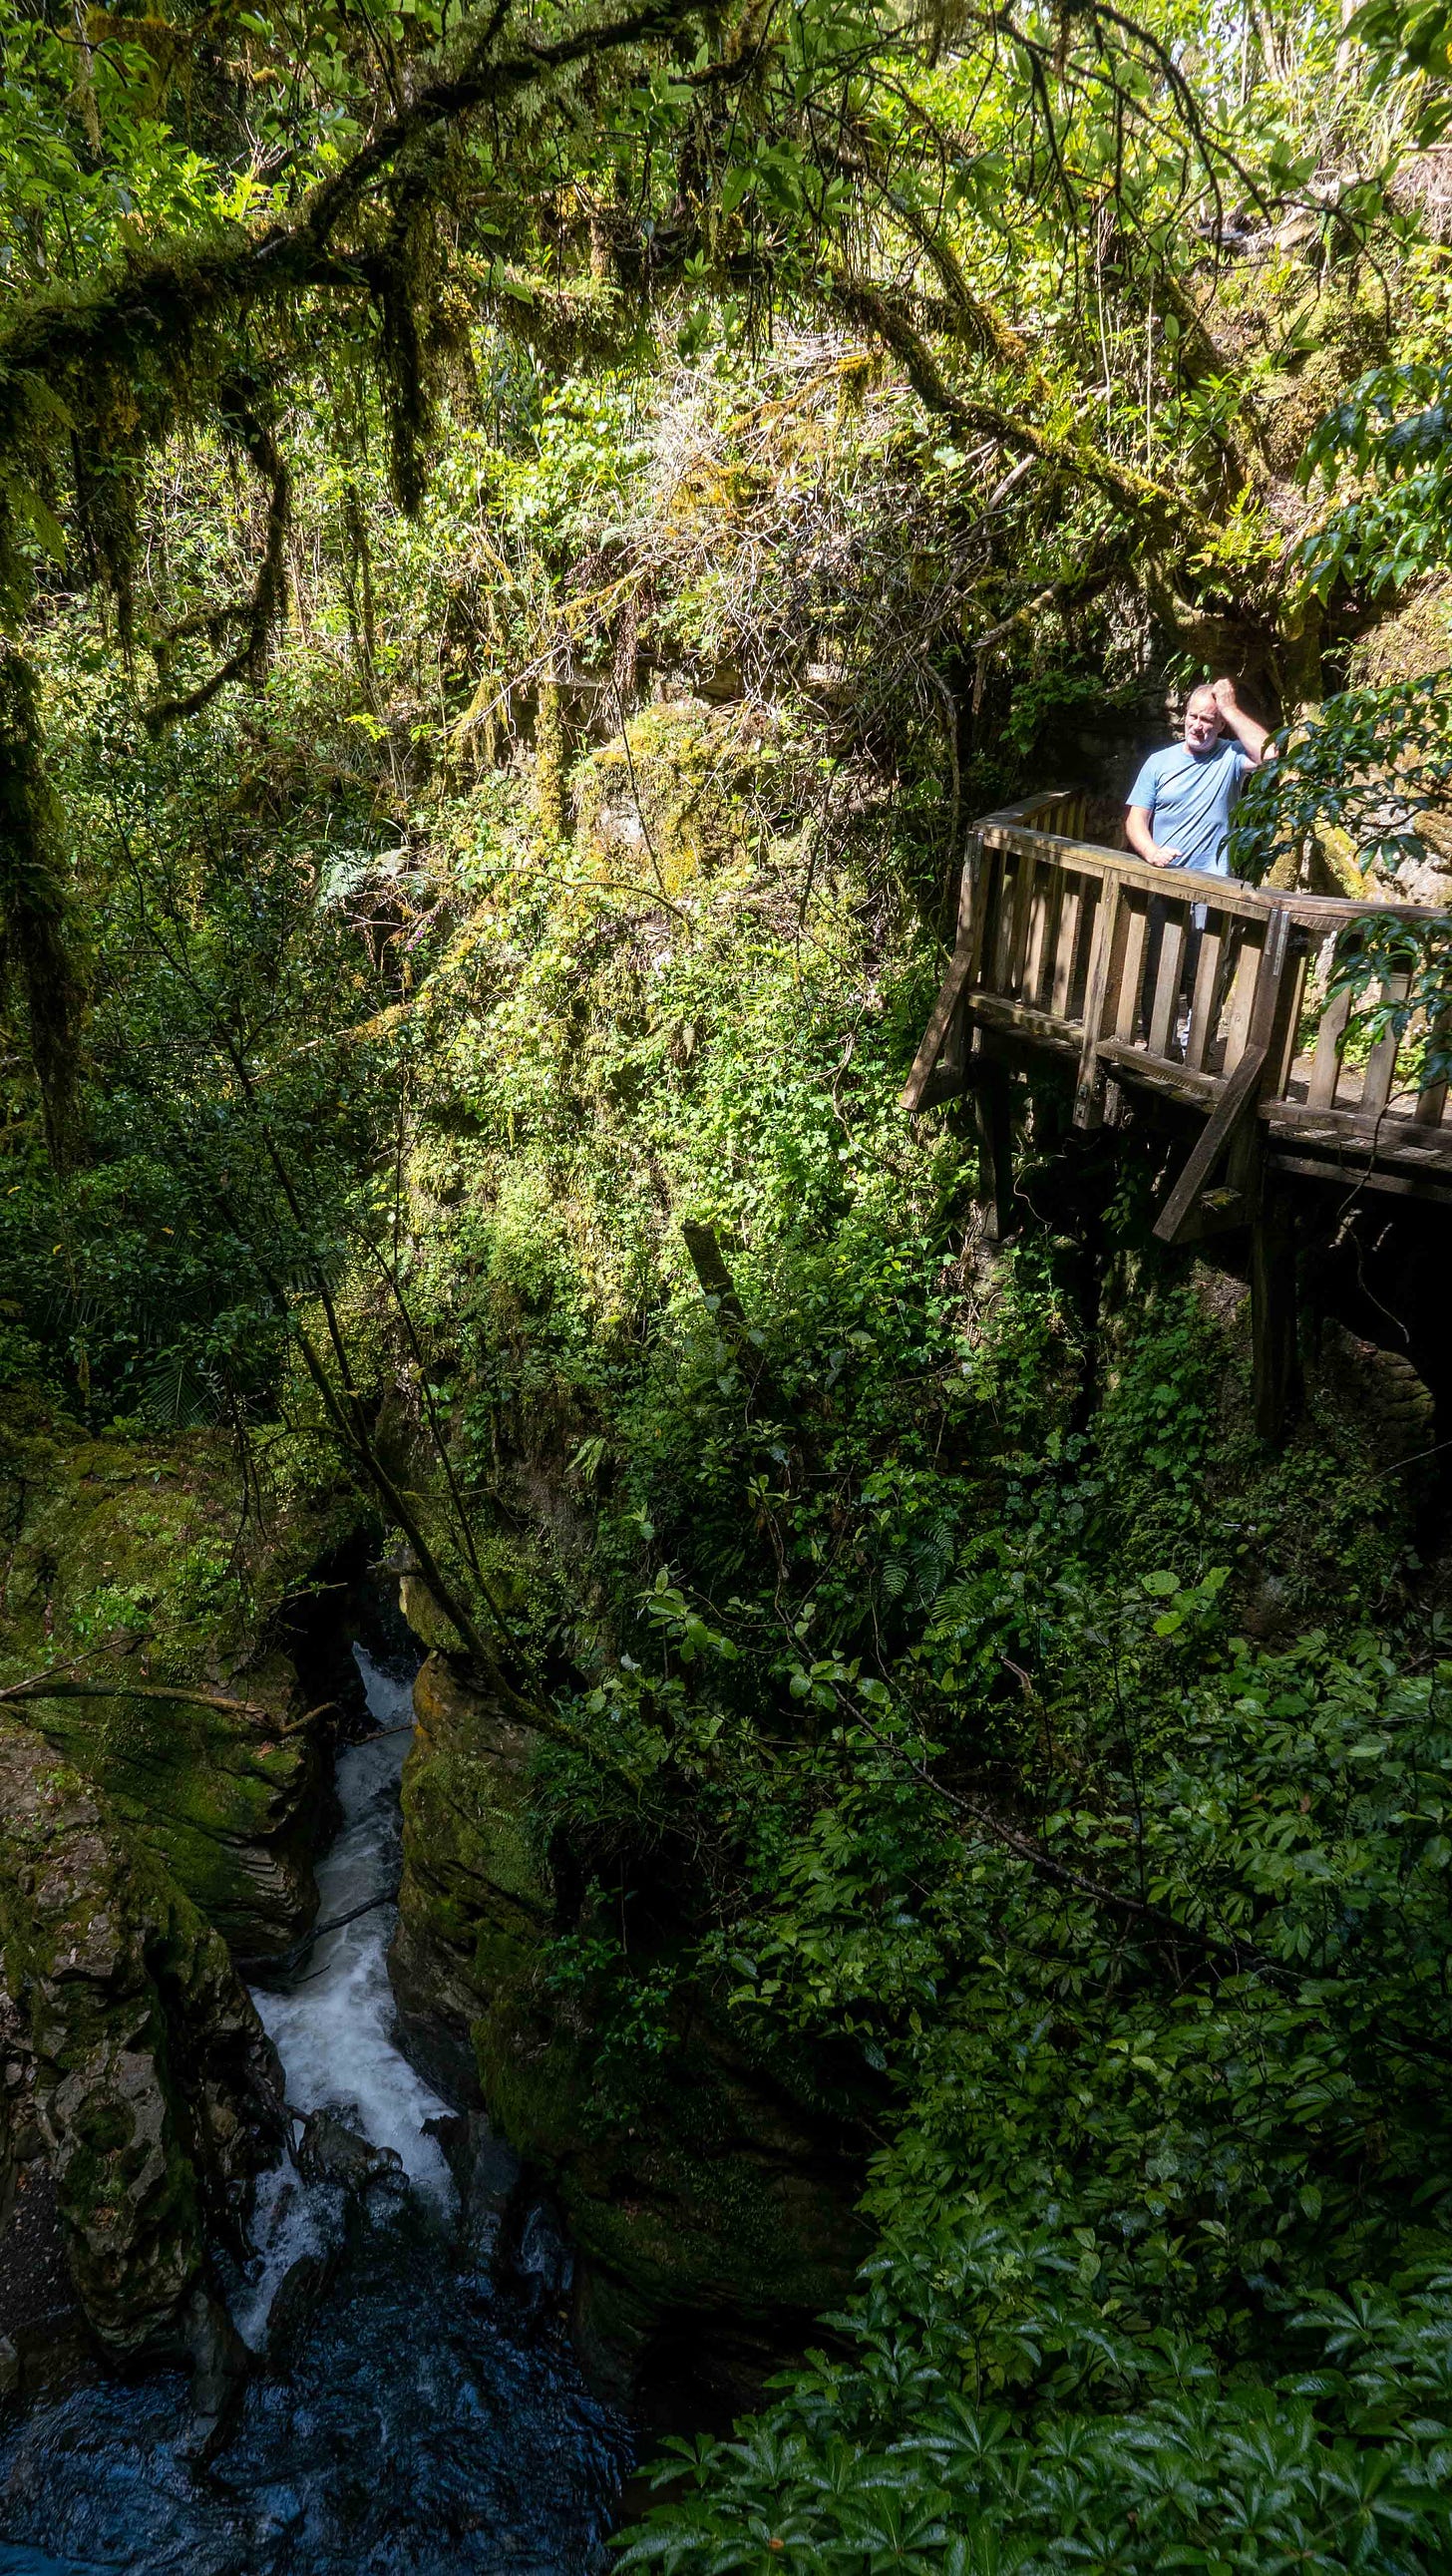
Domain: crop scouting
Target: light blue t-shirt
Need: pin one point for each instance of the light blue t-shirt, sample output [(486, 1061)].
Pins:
[(1189, 796)]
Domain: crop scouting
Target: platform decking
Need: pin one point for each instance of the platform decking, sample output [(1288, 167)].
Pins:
[(1075, 951)]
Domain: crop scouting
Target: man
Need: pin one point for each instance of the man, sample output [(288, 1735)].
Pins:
[(1180, 804), (1179, 817)]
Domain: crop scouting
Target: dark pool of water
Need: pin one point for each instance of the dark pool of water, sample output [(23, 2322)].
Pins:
[(425, 2426)]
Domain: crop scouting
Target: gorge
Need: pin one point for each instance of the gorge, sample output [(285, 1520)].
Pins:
[(724, 1731)]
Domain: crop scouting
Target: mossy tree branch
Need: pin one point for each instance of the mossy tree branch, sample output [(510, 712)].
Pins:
[(1165, 519)]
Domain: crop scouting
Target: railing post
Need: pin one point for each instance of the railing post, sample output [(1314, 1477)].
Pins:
[(920, 1091), (993, 1108), (1101, 995)]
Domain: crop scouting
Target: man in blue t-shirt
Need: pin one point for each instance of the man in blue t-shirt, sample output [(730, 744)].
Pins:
[(1180, 804)]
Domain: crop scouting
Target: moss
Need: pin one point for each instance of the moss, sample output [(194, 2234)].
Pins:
[(664, 796), (550, 754), (155, 2087), (710, 2185), (124, 1565), (1411, 645), (34, 908)]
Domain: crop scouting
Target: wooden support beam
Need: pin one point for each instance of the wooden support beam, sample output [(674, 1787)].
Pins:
[(993, 1104), (971, 908), (1222, 1211), (1233, 1121), (1276, 1365)]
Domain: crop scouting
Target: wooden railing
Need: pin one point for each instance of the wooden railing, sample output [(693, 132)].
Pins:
[(1192, 986)]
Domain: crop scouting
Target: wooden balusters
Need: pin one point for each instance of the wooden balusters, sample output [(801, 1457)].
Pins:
[(1205, 1000), (1019, 921), (1057, 943), (1326, 1062), (1432, 1098), (1107, 955), (1165, 1000), (1381, 1064), (1064, 943), (1126, 1000), (1242, 992)]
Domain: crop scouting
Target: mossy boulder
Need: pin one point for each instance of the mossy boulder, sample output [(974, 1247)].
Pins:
[(710, 2193), (125, 1567), (144, 2066), (661, 805)]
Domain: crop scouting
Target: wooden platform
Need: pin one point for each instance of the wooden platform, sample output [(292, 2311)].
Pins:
[(1193, 988)]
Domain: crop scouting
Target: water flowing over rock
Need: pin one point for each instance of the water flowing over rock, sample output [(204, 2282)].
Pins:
[(412, 2403)]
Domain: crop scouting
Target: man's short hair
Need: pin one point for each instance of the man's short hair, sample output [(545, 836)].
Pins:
[(1204, 690)]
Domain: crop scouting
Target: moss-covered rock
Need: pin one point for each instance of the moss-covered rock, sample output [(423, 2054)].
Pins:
[(474, 1907), (710, 2195), (154, 2088), (124, 1566), (659, 805)]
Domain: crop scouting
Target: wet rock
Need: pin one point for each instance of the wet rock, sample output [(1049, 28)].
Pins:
[(541, 2264), (330, 2151), (298, 2296), (155, 2092), (489, 2187), (220, 2363), (469, 1872)]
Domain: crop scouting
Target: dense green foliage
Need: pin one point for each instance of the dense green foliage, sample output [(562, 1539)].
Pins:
[(520, 565)]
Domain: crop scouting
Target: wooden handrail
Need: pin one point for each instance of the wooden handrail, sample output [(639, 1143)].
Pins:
[(1187, 988), (1154, 974)]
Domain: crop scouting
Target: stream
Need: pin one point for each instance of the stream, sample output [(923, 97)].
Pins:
[(411, 2417)]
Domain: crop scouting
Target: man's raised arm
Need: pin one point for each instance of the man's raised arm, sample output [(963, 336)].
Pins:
[(1252, 737)]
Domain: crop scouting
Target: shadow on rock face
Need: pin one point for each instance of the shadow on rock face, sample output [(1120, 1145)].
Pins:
[(712, 2223)]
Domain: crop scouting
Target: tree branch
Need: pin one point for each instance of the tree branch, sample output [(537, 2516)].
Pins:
[(1165, 516)]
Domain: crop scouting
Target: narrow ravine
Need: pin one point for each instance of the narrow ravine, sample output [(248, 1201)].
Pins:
[(409, 2415)]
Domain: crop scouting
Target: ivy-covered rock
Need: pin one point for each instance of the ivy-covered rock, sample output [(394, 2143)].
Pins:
[(154, 2088)]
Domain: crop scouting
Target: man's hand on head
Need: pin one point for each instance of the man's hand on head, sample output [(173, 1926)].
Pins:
[(1252, 736)]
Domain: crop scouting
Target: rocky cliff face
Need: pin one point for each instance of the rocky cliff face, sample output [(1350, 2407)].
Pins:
[(123, 1564), (710, 2201), (136, 2059)]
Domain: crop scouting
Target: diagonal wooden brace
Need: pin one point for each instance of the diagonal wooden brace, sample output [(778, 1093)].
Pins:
[(1237, 1102), (1233, 1120), (920, 1090)]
